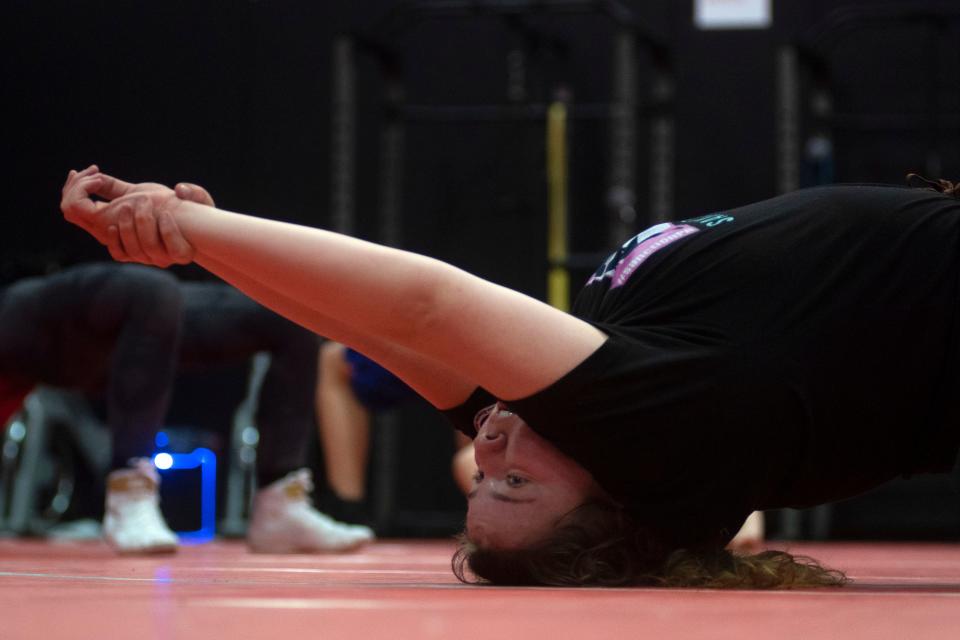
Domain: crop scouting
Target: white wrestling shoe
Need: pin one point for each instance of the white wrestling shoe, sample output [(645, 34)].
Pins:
[(284, 521), (133, 523)]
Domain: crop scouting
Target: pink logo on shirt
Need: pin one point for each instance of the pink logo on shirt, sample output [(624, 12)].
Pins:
[(642, 252)]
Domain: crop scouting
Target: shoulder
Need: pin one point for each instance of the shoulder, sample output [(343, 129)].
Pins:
[(641, 373)]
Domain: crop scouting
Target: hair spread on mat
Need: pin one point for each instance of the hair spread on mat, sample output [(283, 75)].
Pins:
[(599, 545)]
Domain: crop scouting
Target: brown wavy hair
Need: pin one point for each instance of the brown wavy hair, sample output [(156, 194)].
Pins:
[(599, 545)]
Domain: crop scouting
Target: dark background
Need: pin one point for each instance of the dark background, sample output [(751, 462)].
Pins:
[(235, 96)]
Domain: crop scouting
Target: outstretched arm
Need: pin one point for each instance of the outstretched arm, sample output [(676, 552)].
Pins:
[(440, 385), (162, 244), (509, 343)]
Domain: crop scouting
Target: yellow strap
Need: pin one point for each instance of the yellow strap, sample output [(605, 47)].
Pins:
[(558, 279)]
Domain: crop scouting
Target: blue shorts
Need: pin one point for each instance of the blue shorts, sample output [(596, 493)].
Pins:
[(375, 387)]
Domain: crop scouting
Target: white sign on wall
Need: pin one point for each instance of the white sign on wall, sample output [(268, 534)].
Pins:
[(732, 14)]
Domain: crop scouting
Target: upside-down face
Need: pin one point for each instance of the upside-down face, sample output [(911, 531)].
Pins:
[(523, 486)]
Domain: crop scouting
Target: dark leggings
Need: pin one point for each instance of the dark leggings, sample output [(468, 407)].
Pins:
[(98, 327), (222, 325), (126, 328)]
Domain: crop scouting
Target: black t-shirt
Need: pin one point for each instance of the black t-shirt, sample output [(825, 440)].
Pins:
[(783, 354)]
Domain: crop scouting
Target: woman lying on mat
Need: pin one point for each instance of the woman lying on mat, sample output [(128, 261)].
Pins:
[(783, 354)]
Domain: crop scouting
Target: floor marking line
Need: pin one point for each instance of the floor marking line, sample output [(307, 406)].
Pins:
[(323, 603), (59, 576), (418, 572)]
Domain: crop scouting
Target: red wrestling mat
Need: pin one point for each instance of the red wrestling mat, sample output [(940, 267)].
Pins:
[(76, 591)]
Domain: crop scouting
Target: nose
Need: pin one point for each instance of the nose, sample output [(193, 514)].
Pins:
[(490, 439), (489, 446)]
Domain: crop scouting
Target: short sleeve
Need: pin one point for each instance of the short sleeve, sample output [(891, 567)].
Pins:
[(463, 417)]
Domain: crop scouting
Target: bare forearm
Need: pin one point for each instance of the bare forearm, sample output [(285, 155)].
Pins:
[(500, 339), (440, 385), (381, 291), (462, 328)]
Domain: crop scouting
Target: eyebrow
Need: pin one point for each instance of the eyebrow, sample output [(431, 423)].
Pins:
[(502, 497)]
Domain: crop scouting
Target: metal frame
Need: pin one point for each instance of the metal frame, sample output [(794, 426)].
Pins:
[(628, 105), (807, 119), (241, 476), (27, 464), (807, 122)]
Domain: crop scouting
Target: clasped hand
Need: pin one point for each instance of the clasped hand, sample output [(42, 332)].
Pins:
[(136, 222)]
